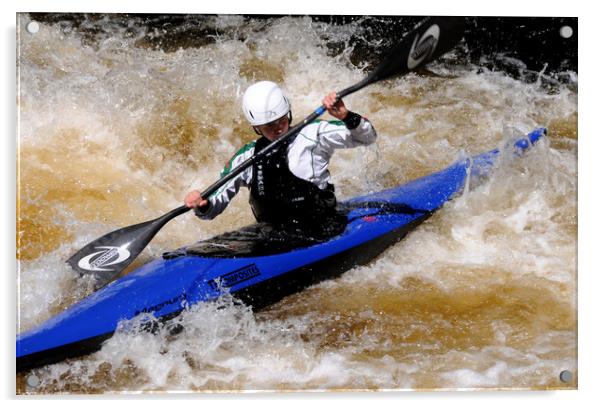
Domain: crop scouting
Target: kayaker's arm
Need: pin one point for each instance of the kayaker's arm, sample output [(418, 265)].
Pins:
[(218, 201), (339, 135), (363, 133), (358, 131)]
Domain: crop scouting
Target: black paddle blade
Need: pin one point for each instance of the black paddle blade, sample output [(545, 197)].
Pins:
[(109, 255), (431, 38)]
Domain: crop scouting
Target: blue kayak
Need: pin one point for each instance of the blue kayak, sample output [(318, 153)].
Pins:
[(257, 273)]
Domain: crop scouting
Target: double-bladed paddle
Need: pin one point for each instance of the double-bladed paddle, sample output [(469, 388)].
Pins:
[(110, 254)]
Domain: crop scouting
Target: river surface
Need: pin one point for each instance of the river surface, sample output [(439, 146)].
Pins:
[(118, 119)]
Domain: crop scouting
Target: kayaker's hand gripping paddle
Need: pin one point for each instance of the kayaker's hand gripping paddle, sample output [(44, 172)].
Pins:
[(109, 255)]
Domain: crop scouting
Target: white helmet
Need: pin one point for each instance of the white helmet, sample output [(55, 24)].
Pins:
[(264, 102)]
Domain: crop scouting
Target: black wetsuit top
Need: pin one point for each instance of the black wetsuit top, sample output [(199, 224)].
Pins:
[(281, 199)]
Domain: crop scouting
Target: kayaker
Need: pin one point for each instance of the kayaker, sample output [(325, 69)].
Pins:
[(290, 189)]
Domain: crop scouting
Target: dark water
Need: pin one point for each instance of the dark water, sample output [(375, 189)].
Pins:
[(534, 41)]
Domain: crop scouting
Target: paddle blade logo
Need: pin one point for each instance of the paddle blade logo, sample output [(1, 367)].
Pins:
[(425, 47), (107, 256)]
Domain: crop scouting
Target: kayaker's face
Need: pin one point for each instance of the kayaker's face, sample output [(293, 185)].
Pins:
[(274, 129)]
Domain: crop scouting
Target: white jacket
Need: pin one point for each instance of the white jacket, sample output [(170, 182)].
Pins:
[(308, 158)]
